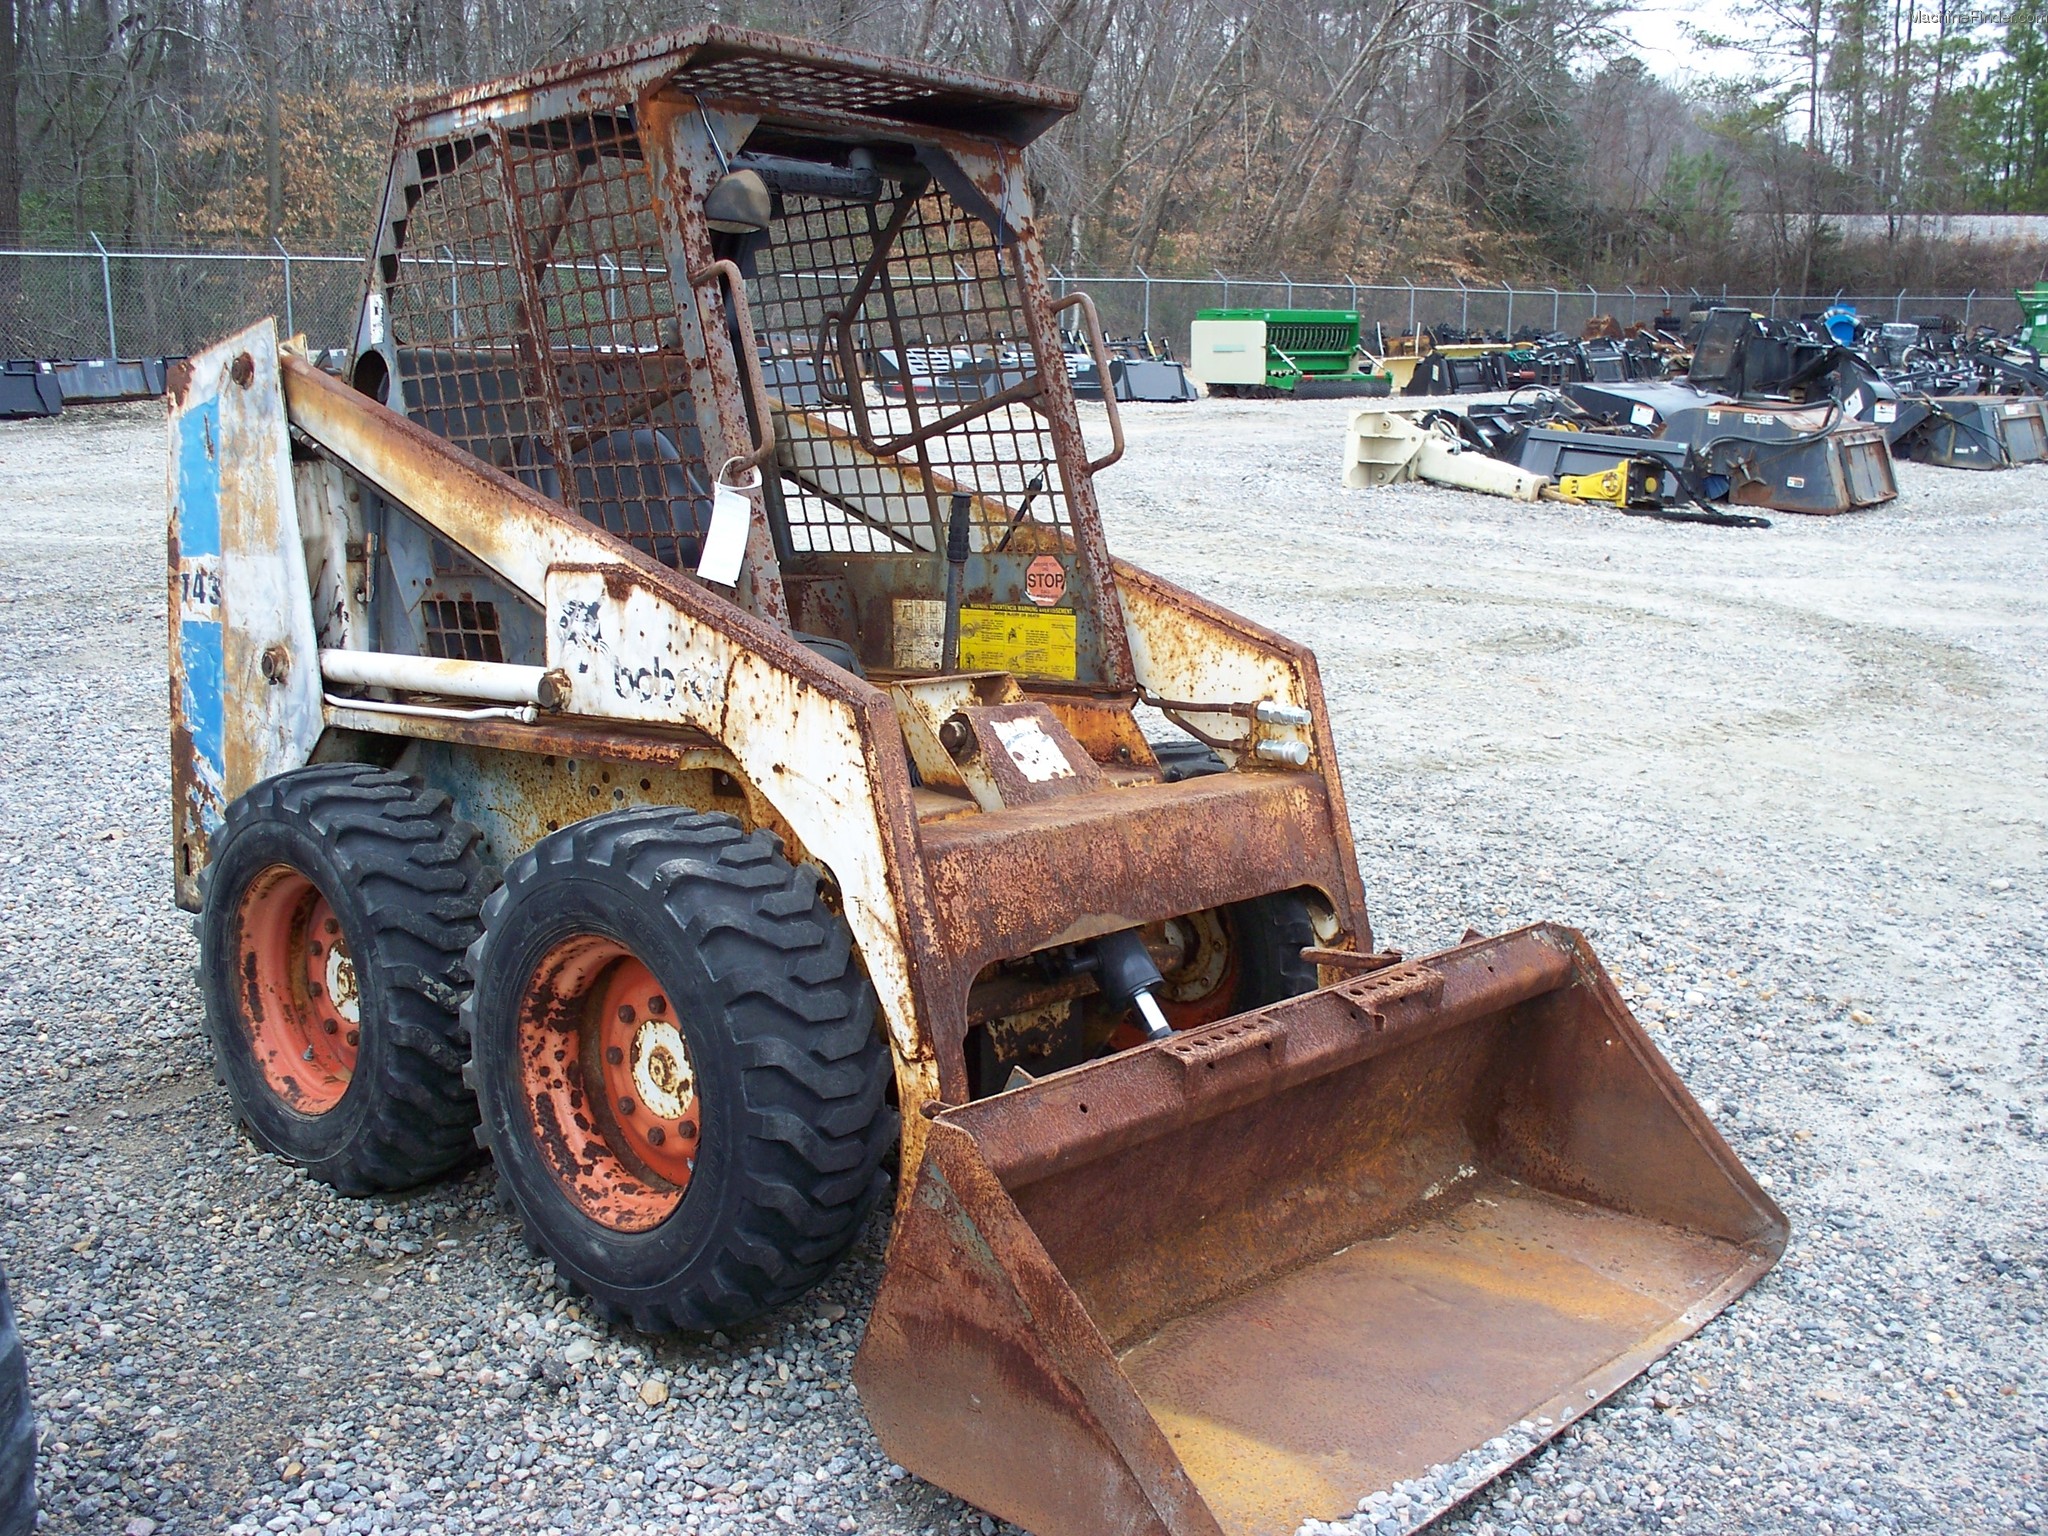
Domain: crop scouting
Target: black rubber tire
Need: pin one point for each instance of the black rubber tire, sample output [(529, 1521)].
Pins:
[(1187, 759), (403, 876), (1271, 932), (17, 1429), (780, 1022)]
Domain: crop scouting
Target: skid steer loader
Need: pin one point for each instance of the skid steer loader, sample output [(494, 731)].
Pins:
[(610, 727)]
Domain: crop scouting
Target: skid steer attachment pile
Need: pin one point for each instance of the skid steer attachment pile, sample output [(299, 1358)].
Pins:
[(628, 722)]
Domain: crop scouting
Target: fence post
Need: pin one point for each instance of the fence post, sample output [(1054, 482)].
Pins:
[(1145, 325), (1510, 289), (1899, 306), (1775, 292), (289, 328), (1464, 307), (1968, 299), (1556, 304), (1411, 304), (1631, 303), (107, 288), (611, 275), (1352, 283)]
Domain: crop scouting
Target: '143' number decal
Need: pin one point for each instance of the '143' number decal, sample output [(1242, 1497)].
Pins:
[(199, 588)]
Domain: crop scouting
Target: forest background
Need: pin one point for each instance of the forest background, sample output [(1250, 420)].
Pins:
[(1430, 140)]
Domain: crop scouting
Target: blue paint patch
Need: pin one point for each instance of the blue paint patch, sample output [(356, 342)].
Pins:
[(205, 668), (199, 480), (201, 651)]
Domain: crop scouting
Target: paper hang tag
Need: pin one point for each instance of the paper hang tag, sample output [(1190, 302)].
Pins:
[(725, 541)]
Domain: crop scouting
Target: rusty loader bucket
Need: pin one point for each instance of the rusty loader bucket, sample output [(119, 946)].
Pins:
[(1243, 1277)]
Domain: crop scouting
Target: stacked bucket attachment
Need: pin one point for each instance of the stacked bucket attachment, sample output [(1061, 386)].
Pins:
[(1978, 432), (1243, 1277), (1810, 458), (1498, 451), (1817, 459)]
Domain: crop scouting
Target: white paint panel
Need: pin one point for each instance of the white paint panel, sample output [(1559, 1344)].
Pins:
[(1227, 351), (265, 598)]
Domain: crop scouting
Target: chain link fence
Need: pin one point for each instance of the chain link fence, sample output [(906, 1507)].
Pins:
[(1162, 307), (102, 302)]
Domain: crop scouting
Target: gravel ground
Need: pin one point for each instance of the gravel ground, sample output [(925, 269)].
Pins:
[(1791, 782)]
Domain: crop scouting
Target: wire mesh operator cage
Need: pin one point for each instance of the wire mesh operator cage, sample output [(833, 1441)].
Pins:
[(624, 280)]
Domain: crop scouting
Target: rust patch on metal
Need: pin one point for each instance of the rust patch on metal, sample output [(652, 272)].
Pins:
[(1248, 1247), (1089, 864), (608, 1084), (1105, 728), (301, 1008)]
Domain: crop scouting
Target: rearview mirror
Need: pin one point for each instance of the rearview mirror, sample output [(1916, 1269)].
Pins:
[(739, 204)]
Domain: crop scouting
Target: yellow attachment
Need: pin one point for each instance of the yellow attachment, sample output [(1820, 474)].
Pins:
[(1630, 483)]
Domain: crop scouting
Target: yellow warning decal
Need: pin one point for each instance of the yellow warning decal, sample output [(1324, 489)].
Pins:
[(1032, 642)]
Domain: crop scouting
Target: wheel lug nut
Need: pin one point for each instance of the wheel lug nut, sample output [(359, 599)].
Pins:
[(627, 1106), (328, 1026), (354, 1035), (657, 1004), (613, 1055), (315, 948), (656, 1136), (330, 926), (687, 1130), (625, 1013)]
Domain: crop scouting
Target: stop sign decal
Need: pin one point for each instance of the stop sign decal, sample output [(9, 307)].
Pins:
[(1045, 582)]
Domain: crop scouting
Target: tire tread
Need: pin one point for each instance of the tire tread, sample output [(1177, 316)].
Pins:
[(801, 1015), (399, 843), (17, 1428)]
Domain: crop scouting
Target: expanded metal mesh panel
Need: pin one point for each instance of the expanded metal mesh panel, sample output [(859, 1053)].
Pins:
[(585, 207), (536, 325), (457, 314), (558, 221), (799, 83), (936, 328)]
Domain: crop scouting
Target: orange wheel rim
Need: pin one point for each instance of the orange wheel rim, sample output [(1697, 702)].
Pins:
[(298, 990), (608, 1084), (1198, 958), (1201, 970)]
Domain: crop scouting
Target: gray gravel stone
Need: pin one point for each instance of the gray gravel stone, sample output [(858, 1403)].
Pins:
[(1789, 782)]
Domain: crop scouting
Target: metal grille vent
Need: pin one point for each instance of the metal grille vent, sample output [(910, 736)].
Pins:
[(461, 629), (1295, 336)]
